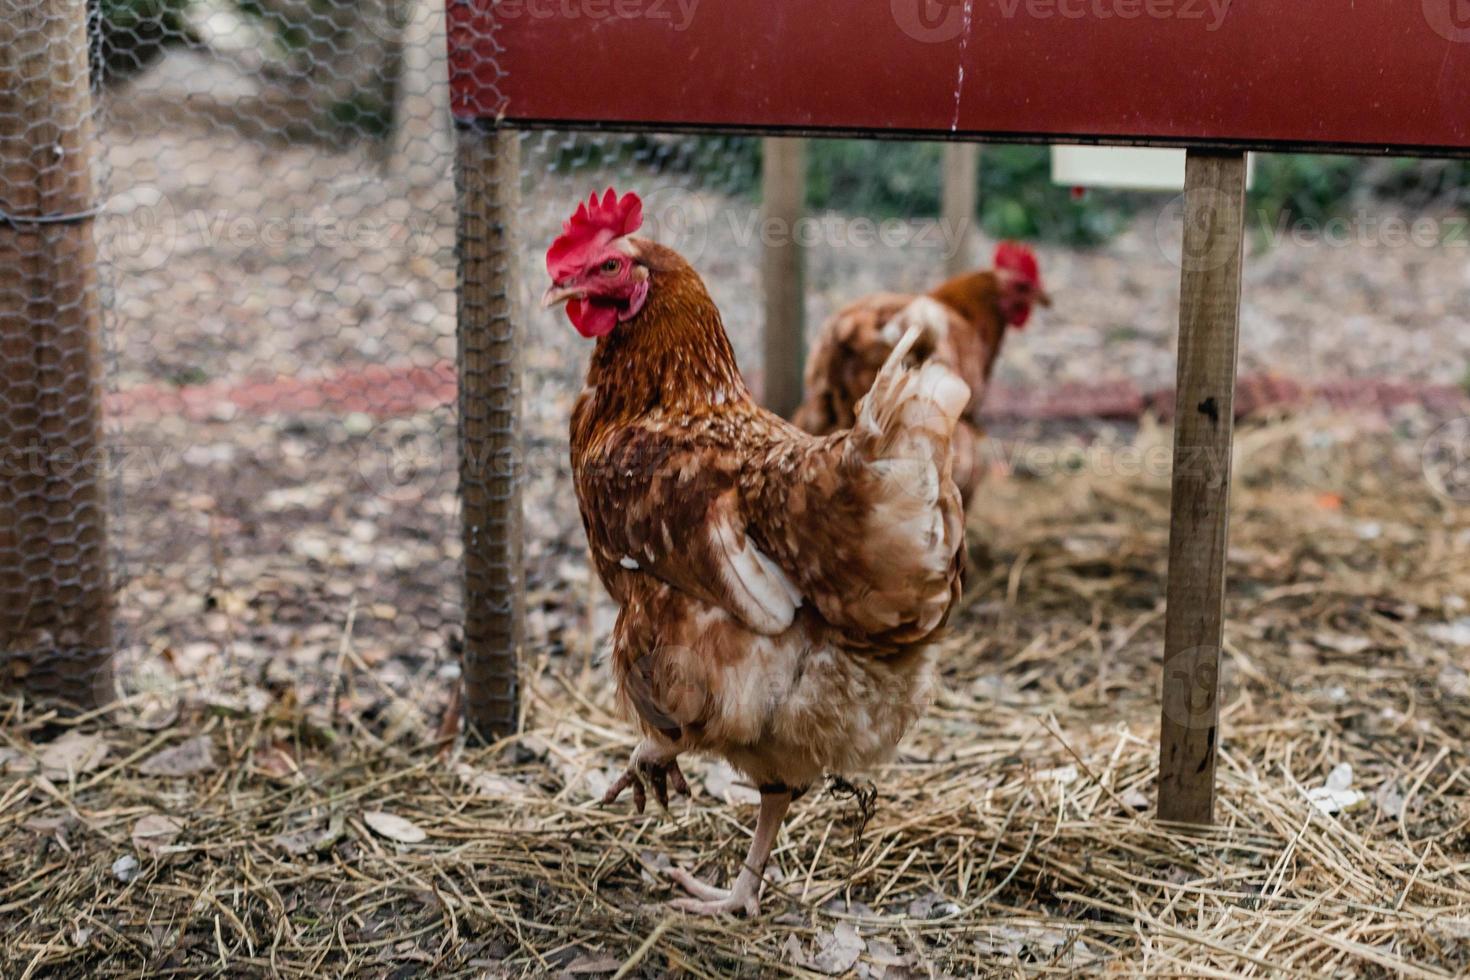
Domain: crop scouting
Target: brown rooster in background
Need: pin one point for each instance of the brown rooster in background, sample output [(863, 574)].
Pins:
[(964, 322), (779, 592)]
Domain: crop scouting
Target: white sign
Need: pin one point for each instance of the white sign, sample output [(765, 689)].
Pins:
[(1134, 168)]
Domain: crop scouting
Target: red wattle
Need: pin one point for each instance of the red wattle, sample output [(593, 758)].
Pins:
[(592, 319)]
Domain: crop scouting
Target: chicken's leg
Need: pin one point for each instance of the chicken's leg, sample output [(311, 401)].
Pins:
[(745, 896)]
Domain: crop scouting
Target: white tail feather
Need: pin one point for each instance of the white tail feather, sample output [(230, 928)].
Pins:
[(930, 398)]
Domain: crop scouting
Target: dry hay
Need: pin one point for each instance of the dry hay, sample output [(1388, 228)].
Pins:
[(1013, 836)]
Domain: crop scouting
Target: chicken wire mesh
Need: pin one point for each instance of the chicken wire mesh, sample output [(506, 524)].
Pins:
[(279, 244), (273, 194), (274, 203)]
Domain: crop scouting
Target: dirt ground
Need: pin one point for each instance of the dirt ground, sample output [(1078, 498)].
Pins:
[(223, 822), (290, 600)]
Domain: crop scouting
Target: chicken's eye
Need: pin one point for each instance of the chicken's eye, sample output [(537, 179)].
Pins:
[(610, 266)]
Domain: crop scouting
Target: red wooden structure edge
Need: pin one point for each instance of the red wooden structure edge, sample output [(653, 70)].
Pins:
[(1372, 76)]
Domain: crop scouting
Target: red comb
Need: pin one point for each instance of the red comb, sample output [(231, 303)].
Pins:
[(1019, 259), (594, 225)]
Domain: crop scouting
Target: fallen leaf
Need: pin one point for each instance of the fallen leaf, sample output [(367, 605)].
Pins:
[(885, 954), (837, 950), (16, 761), (312, 839), (154, 832), (1063, 774), (1011, 941), (931, 905), (591, 963), (125, 868), (1455, 634), (185, 759), (1342, 643), (394, 827), (489, 784), (73, 754), (51, 824), (1135, 800), (276, 762), (253, 701), (594, 783), (1337, 795)]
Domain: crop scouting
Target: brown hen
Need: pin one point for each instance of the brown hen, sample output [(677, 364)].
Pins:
[(780, 593), (964, 322)]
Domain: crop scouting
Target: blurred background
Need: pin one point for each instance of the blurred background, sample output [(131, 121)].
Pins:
[(278, 246)]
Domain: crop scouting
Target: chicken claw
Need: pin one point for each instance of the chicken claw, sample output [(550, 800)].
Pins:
[(709, 900), (646, 770)]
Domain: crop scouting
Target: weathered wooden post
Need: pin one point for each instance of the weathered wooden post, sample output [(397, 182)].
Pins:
[(783, 202), (55, 590), (960, 193), (488, 176), (1204, 420)]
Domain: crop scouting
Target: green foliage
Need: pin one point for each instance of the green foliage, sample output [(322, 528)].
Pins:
[(879, 179), (1304, 185), (1017, 197), (364, 114), (1019, 200), (129, 35), (884, 179)]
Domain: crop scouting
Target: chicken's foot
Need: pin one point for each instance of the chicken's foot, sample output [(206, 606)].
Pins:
[(652, 765), (745, 896)]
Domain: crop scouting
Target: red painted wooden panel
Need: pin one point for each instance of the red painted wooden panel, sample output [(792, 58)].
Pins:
[(1369, 75)]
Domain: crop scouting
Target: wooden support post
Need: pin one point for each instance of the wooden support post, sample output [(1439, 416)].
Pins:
[(1209, 320), (488, 164), (960, 194), (783, 202), (55, 590)]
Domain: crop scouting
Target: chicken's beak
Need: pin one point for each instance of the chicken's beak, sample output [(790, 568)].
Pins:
[(557, 295), (1043, 298)]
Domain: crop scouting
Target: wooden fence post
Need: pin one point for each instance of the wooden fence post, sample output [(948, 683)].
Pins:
[(55, 590), (783, 202), (490, 468), (1209, 321), (960, 193)]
